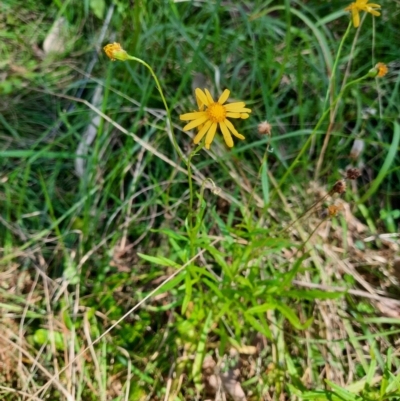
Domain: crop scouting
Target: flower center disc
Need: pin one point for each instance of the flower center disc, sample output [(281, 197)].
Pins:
[(216, 112)]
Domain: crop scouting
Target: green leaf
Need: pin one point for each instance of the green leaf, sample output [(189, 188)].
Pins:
[(214, 288), (311, 295), (260, 308), (159, 260), (188, 293), (290, 315), (200, 352), (220, 259), (176, 235), (43, 336), (390, 157), (98, 7), (342, 393), (258, 326), (171, 284), (289, 276), (264, 182)]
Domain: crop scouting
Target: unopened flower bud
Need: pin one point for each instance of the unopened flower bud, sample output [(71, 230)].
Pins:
[(115, 52)]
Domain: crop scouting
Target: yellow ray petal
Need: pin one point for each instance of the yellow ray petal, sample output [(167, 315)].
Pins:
[(195, 123), (227, 135), (356, 17), (192, 116), (373, 12), (202, 132), (200, 104), (244, 116), (202, 96), (234, 106), (209, 97), (230, 114), (224, 97), (210, 135), (233, 129)]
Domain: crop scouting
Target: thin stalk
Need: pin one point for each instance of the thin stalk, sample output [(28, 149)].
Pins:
[(335, 64), (174, 142), (320, 121)]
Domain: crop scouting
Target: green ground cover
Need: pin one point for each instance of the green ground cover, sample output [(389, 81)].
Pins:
[(135, 265)]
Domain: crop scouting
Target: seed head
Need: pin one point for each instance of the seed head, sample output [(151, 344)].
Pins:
[(339, 187), (264, 128), (353, 173)]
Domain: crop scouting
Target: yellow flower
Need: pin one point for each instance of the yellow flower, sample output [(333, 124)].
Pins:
[(211, 114), (382, 69), (333, 210), (115, 52), (362, 5)]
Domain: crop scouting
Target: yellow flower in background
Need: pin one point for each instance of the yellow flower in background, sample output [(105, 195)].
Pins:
[(115, 52), (211, 114), (382, 69), (362, 5)]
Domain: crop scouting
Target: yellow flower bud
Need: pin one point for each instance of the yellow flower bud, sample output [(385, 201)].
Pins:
[(380, 70), (115, 52)]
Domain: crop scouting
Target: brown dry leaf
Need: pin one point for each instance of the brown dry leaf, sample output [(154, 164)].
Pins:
[(232, 385), (396, 268), (8, 354), (247, 349), (56, 38), (212, 383), (389, 308)]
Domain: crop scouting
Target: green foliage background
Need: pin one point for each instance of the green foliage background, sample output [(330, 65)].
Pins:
[(78, 251)]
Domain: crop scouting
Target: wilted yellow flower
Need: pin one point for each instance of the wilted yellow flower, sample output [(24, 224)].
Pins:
[(382, 69), (362, 5), (115, 52), (211, 114), (333, 210)]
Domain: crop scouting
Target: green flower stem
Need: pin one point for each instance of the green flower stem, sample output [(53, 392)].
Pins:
[(335, 64), (190, 179), (320, 121), (192, 225), (174, 142)]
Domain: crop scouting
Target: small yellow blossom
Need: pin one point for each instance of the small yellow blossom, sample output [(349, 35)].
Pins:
[(362, 5), (382, 69), (333, 210), (115, 52), (211, 114)]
